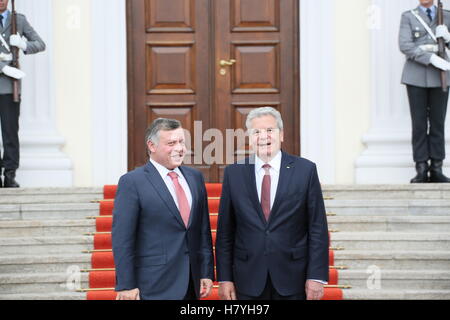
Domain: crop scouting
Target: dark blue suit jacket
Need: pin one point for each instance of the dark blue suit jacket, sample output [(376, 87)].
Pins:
[(292, 246), (153, 249)]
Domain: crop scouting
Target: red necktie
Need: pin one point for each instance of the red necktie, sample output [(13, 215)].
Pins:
[(183, 204), (265, 192)]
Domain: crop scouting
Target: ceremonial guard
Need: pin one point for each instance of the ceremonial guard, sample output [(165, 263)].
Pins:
[(15, 34), (426, 76)]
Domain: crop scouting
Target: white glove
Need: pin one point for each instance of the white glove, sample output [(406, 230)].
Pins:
[(17, 41), (13, 72), (6, 57), (440, 63), (442, 32)]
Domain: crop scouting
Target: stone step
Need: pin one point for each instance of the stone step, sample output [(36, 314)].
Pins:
[(391, 241), (406, 191), (46, 245), (40, 228), (364, 294), (393, 259), (396, 279), (390, 223), (383, 207), (43, 282), (44, 263), (49, 195), (44, 296), (49, 211)]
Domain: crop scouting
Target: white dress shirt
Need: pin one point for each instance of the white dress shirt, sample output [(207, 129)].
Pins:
[(164, 172)]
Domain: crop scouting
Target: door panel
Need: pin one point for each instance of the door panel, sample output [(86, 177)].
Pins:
[(174, 53), (264, 49)]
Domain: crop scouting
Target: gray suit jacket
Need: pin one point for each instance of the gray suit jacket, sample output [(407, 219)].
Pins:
[(34, 45), (418, 71)]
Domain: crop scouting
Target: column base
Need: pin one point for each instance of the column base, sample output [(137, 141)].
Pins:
[(42, 164), (387, 160)]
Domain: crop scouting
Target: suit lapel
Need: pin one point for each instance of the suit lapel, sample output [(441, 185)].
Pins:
[(194, 192), (286, 169), (155, 179), (251, 187)]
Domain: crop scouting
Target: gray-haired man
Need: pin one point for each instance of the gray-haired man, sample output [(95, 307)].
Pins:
[(421, 75), (28, 41)]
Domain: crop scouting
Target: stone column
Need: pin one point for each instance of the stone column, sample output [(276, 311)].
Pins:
[(388, 155), (42, 162), (317, 64)]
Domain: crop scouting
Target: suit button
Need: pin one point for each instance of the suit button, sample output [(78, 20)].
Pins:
[(186, 252), (267, 232)]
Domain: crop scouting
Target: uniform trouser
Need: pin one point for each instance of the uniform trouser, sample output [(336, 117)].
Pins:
[(428, 107), (9, 121)]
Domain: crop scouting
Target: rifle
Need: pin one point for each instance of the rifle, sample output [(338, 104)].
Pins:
[(441, 46), (15, 52)]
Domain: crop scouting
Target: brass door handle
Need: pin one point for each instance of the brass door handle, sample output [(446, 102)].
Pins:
[(225, 63)]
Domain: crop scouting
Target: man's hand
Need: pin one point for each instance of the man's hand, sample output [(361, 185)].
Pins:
[(13, 72), (440, 63), (17, 41), (442, 32), (128, 295), (6, 57), (227, 291), (314, 290), (205, 287)]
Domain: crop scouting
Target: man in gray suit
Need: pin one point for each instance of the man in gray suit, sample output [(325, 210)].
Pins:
[(29, 42)]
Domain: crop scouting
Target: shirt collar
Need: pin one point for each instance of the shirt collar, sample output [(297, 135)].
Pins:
[(275, 163), (433, 9), (163, 171), (5, 16)]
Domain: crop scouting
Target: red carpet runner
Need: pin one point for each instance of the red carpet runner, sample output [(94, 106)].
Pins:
[(102, 274)]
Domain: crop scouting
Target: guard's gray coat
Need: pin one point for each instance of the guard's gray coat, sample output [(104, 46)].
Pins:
[(418, 71), (34, 45)]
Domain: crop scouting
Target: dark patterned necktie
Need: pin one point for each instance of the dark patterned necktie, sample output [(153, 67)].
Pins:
[(429, 14), (1, 21), (265, 192)]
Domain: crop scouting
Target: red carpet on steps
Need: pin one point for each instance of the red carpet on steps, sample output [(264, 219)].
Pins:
[(104, 260)]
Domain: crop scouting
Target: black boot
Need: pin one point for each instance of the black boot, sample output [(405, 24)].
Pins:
[(10, 179), (422, 173), (436, 174)]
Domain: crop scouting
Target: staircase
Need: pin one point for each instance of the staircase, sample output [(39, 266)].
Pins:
[(41, 242), (395, 240)]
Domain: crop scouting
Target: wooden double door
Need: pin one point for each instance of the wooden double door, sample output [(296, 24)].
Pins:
[(208, 63)]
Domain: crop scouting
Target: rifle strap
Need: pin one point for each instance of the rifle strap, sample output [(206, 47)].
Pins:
[(425, 25), (2, 40)]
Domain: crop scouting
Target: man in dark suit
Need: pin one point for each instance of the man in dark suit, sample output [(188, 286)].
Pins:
[(161, 232), (272, 237)]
